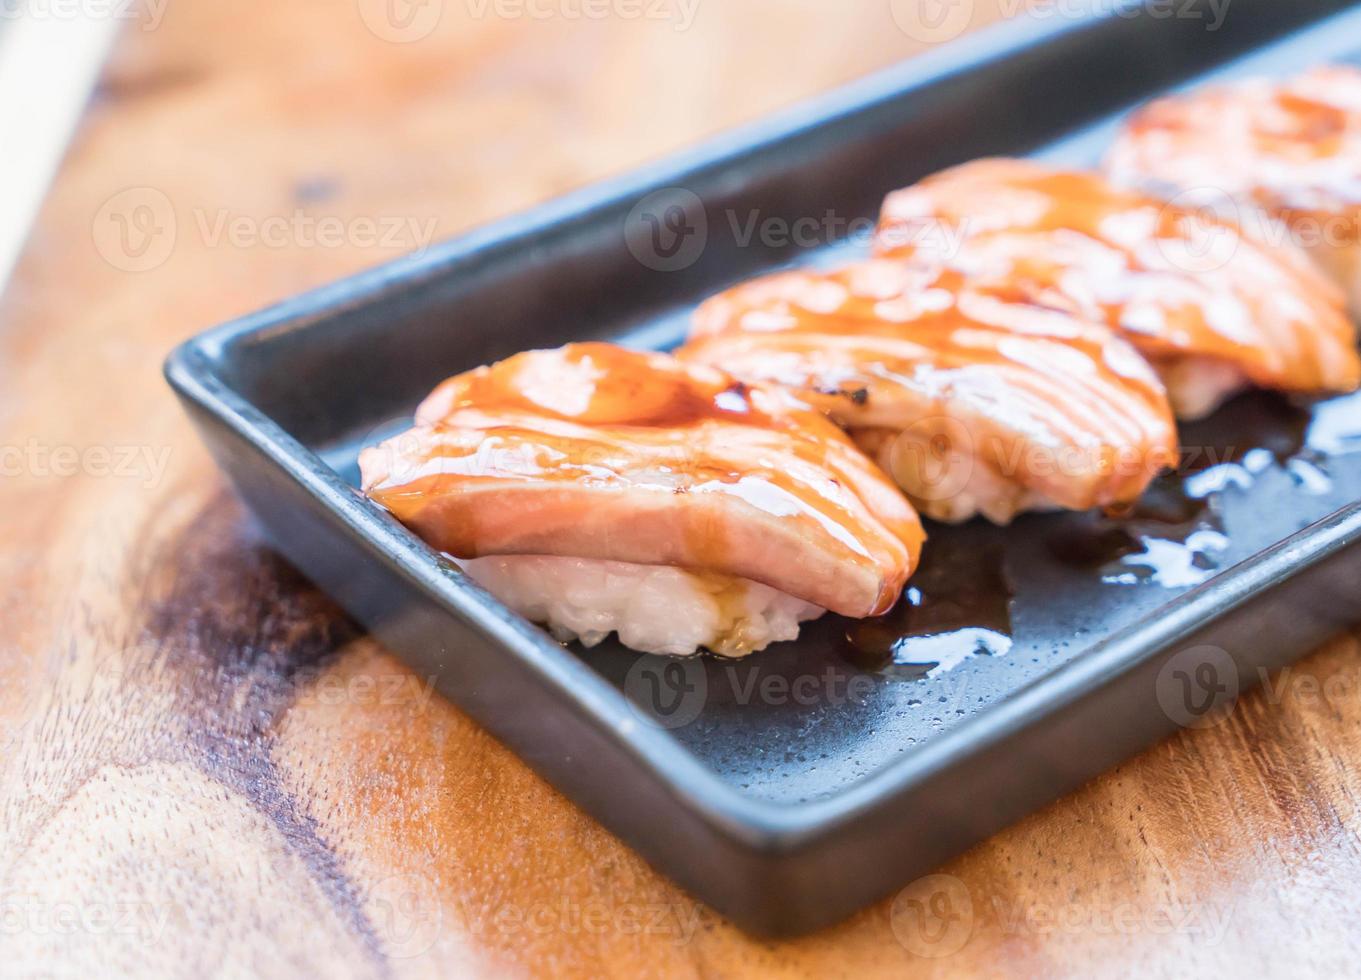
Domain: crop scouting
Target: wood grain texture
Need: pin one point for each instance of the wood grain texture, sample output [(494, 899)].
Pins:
[(208, 769)]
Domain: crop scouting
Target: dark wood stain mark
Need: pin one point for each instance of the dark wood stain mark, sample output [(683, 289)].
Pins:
[(238, 630), (116, 88)]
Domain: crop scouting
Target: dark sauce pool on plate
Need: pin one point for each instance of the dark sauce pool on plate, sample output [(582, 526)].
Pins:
[(958, 605)]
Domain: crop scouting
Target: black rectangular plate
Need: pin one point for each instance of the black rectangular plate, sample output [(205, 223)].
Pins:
[(790, 789)]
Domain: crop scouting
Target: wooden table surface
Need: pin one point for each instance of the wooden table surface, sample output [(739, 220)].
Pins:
[(208, 769)]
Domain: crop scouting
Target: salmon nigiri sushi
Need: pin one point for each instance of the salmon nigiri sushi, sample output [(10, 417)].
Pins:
[(1213, 307), (597, 490), (975, 402), (1289, 149)]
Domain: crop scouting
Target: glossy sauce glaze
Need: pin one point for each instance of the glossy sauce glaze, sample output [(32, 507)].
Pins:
[(1037, 396), (1191, 291), (1292, 147), (594, 451)]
